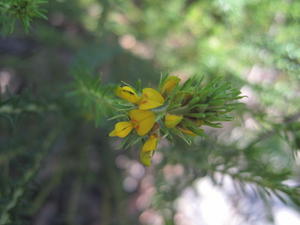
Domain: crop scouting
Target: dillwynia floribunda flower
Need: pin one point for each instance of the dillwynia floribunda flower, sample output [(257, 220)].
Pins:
[(128, 94), (173, 110), (148, 149), (150, 99), (141, 120)]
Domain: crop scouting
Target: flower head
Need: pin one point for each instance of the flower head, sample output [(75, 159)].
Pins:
[(185, 110)]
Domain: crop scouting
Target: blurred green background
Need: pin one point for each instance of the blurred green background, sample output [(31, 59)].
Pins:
[(57, 164)]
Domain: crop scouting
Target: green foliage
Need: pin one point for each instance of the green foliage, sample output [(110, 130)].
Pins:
[(23, 11), (178, 110), (95, 100), (209, 102), (13, 198)]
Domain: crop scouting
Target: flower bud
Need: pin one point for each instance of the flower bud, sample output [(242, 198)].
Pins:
[(172, 120), (169, 84)]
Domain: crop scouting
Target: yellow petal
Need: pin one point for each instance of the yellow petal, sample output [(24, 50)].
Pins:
[(150, 99), (187, 131), (142, 120), (122, 129), (146, 157), (169, 84), (172, 120), (150, 144), (128, 94)]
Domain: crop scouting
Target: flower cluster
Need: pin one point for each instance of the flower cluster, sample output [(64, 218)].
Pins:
[(175, 109)]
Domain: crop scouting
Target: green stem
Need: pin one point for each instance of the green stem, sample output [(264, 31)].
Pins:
[(180, 110)]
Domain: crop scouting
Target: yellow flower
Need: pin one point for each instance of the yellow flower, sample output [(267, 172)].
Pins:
[(150, 99), (187, 131), (148, 150), (122, 129), (172, 120), (141, 120), (150, 144), (146, 157), (127, 93), (169, 84)]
